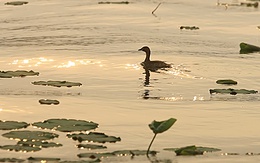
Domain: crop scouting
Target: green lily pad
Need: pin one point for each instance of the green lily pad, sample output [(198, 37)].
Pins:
[(232, 91), (49, 102), (20, 148), (30, 135), (94, 137), (57, 83), (133, 152), (161, 126), (41, 144), (82, 161), (95, 155), (16, 3), (42, 159), (10, 125), (18, 73), (247, 48), (11, 160), (66, 125), (192, 150), (227, 82), (91, 146)]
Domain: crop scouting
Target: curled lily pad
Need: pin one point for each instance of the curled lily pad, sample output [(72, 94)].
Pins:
[(42, 159), (30, 135), (94, 137), (227, 82), (247, 48), (20, 148), (161, 126), (91, 146), (41, 144), (10, 125), (192, 150), (49, 102), (57, 83), (16, 3), (232, 91), (11, 160), (18, 73), (66, 125)]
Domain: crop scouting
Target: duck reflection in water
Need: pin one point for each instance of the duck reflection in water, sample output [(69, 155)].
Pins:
[(152, 66)]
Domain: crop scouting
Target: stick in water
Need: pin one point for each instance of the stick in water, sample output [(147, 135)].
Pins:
[(156, 8)]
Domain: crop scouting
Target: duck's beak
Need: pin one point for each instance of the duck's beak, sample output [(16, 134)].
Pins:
[(140, 49)]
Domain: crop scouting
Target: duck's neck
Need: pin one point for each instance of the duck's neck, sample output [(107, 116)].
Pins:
[(147, 58)]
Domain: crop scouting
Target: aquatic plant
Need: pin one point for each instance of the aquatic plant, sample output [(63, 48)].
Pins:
[(10, 125), (227, 82), (49, 102), (94, 137), (248, 48), (56, 83), (189, 27), (232, 91), (18, 73), (16, 3), (159, 127)]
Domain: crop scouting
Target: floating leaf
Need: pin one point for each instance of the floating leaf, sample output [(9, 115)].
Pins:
[(91, 146), (57, 83), (189, 27), (30, 135), (18, 73), (122, 2), (20, 148), (226, 81), (49, 102), (232, 91), (82, 161), (66, 125), (95, 155), (11, 160), (41, 144), (247, 48), (94, 137), (133, 152), (42, 159), (16, 3), (161, 126), (192, 150), (10, 125)]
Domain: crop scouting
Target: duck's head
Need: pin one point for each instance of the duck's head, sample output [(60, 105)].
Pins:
[(146, 49)]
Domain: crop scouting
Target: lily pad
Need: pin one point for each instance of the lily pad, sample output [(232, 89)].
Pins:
[(95, 155), (249, 4), (82, 161), (20, 148), (94, 137), (66, 125), (49, 102), (226, 81), (122, 2), (189, 27), (57, 83), (91, 146), (16, 3), (247, 48), (161, 126), (42, 159), (133, 152), (18, 73), (11, 160), (30, 135), (10, 125), (232, 91), (192, 150), (41, 144)]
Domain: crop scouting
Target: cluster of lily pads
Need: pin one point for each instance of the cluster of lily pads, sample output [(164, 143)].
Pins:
[(230, 91)]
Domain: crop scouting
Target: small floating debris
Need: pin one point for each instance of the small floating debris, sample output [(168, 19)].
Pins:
[(49, 102), (192, 150), (16, 3), (227, 82), (247, 48), (57, 83), (122, 2), (18, 73), (189, 27), (232, 91)]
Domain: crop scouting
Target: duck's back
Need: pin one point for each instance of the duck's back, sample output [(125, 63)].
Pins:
[(155, 64)]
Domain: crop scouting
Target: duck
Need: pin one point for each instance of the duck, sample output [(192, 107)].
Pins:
[(152, 65)]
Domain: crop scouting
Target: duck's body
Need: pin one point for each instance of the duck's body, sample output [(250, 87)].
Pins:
[(152, 65)]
